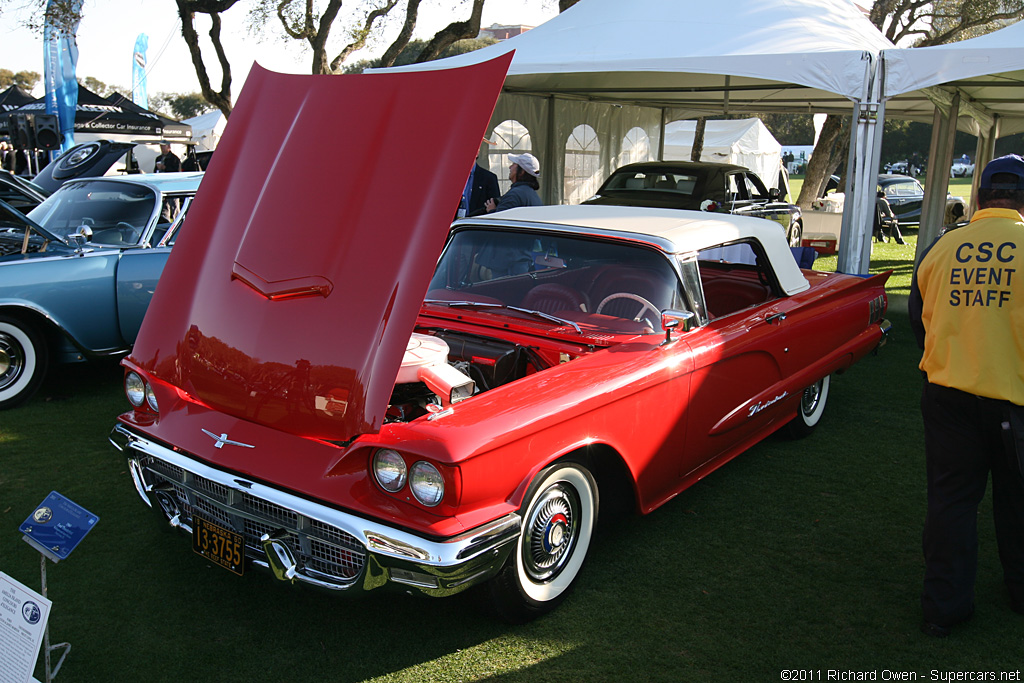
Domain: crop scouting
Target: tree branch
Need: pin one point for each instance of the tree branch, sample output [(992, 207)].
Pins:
[(360, 36), (453, 32), (404, 36)]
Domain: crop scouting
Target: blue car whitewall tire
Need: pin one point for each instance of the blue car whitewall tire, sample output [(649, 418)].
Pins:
[(23, 361)]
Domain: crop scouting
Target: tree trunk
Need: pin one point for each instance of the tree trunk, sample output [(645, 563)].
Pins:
[(404, 36), (453, 32), (820, 164), (698, 139), (222, 98)]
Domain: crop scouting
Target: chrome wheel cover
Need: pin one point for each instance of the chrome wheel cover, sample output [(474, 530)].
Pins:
[(810, 399), (12, 360), (551, 531)]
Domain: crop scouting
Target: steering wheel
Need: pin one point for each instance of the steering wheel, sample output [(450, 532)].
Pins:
[(129, 233), (645, 305)]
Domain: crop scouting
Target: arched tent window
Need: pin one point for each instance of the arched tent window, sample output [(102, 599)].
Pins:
[(509, 137), (636, 146), (582, 164)]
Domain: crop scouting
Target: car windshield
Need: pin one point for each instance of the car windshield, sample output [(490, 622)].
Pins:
[(907, 188), (117, 214), (26, 186), (614, 287), (659, 181)]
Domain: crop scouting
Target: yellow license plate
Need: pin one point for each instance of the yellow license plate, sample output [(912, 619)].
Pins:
[(221, 546)]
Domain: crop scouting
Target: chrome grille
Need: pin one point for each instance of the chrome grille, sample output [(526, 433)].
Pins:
[(335, 558), (212, 488), (172, 471), (322, 549), (267, 509)]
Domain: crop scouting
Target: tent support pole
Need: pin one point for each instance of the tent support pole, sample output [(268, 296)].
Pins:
[(986, 152), (552, 194), (940, 157), (661, 135), (861, 172)]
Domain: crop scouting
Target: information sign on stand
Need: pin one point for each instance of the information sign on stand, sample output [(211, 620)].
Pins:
[(57, 526), (54, 528), (23, 615)]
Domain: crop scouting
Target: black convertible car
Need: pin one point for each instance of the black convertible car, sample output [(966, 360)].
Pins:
[(700, 186)]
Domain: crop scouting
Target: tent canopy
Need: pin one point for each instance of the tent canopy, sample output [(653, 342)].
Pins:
[(594, 87), (765, 54), (116, 115), (746, 142), (12, 98), (988, 71)]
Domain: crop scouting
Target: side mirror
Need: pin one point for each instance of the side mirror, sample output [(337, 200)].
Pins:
[(774, 194), (80, 236), (681, 320)]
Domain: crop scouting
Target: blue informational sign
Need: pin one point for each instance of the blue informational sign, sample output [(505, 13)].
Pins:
[(57, 526)]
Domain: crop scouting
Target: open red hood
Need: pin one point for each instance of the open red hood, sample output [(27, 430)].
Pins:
[(291, 295)]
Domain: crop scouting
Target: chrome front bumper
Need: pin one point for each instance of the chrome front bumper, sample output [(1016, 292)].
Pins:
[(304, 541)]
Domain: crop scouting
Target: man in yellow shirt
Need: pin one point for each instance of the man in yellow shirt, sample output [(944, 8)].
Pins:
[(967, 312)]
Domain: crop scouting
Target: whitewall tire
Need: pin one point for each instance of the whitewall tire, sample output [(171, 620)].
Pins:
[(810, 409), (559, 514), (22, 361)]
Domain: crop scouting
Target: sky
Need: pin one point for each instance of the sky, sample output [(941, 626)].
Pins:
[(106, 39)]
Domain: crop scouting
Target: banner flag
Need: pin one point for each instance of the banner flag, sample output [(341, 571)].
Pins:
[(139, 95), (60, 53)]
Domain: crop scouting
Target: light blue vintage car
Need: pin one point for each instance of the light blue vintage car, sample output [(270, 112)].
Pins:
[(78, 272)]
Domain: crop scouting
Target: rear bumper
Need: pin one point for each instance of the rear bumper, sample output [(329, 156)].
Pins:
[(303, 541)]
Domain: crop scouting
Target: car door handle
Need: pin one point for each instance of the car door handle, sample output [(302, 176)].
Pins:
[(775, 317)]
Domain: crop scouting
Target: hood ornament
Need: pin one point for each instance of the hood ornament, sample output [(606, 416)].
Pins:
[(223, 440)]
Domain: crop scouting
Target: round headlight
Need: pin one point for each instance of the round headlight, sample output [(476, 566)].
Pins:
[(389, 468), (134, 389), (426, 483), (151, 399)]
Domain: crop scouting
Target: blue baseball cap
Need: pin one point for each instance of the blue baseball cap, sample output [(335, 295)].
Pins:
[(1010, 164)]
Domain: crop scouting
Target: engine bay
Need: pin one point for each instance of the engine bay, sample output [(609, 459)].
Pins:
[(445, 367)]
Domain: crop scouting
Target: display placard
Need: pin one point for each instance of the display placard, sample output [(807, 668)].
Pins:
[(57, 526), (23, 615)]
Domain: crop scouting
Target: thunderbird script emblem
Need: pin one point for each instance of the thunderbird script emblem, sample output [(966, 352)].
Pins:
[(223, 440)]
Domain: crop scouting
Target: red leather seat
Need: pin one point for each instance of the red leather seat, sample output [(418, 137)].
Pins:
[(551, 298)]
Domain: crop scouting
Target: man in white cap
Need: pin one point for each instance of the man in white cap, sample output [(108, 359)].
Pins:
[(522, 171)]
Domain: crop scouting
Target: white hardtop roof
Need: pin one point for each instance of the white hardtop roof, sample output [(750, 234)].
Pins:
[(673, 230)]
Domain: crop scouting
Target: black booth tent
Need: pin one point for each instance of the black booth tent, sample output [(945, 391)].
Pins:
[(12, 98), (116, 115)]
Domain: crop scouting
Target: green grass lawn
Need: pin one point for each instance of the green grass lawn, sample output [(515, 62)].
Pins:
[(797, 555)]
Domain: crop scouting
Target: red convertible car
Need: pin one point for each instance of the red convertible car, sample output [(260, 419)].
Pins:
[(315, 393)]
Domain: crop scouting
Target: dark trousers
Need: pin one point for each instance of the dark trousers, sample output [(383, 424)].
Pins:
[(965, 439)]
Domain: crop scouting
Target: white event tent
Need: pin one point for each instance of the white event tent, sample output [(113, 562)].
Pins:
[(207, 129), (594, 87), (975, 85), (746, 142)]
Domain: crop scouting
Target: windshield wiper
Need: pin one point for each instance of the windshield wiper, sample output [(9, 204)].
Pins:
[(486, 304)]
